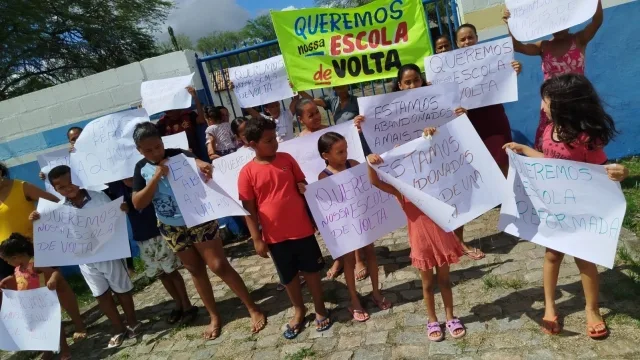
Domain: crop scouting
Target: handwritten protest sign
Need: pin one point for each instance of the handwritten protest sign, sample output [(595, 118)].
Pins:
[(483, 73), (399, 117), (30, 320), (305, 149), (350, 212), (226, 170), (568, 206), (105, 151), (330, 47), (454, 167), (533, 19), (199, 201), (175, 141), (56, 158), (261, 82), (65, 235), (166, 94)]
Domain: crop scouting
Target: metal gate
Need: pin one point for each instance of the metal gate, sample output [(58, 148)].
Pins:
[(442, 19)]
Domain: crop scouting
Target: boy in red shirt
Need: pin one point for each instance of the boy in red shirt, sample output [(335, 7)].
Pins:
[(270, 188)]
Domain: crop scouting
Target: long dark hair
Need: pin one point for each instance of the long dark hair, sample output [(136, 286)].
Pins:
[(326, 141), (404, 68), (576, 109), (235, 124), (4, 170), (16, 244)]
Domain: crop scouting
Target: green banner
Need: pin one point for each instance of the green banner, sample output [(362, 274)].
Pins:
[(330, 47)]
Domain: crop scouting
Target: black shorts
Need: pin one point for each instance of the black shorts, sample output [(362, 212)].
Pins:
[(293, 256)]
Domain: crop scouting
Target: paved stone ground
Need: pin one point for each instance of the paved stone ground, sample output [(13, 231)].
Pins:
[(499, 299)]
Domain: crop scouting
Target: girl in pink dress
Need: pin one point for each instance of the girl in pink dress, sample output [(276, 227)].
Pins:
[(563, 54), (578, 131), (431, 247)]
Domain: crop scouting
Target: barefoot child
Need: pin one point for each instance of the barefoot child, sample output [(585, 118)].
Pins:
[(564, 53), (431, 247), (158, 258), (17, 250), (270, 189), (333, 149), (103, 277), (197, 247), (579, 130)]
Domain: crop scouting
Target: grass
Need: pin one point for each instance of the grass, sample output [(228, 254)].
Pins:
[(623, 319), (494, 282), (301, 354), (631, 190)]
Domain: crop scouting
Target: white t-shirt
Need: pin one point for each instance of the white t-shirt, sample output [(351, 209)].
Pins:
[(284, 125)]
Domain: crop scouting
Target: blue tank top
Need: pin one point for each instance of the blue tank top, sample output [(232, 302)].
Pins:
[(329, 173)]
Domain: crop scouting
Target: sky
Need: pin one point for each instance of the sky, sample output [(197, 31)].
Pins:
[(197, 18)]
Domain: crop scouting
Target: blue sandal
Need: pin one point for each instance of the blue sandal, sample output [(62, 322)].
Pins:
[(320, 321), (292, 332)]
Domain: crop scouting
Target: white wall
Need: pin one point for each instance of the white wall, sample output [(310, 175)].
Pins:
[(89, 97)]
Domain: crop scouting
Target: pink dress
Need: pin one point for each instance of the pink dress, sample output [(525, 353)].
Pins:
[(573, 61), (577, 151), (430, 245)]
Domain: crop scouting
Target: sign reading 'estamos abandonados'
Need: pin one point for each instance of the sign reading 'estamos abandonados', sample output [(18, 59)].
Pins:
[(331, 47)]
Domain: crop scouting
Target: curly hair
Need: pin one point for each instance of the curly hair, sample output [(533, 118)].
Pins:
[(16, 244), (576, 110), (256, 127)]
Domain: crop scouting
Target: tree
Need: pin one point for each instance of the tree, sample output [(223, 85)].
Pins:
[(341, 3), (259, 29), (183, 41), (217, 41), (47, 42)]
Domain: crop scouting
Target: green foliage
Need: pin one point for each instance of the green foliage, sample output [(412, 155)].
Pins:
[(218, 41), (183, 41), (259, 29), (49, 42)]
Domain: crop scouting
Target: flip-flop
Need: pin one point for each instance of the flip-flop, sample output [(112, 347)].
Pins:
[(325, 327), (116, 340), (190, 315), (549, 325), (362, 274), (334, 274), (594, 333), (259, 325), (354, 312), (174, 316), (382, 305), (432, 328), (455, 324), (79, 336), (214, 334), (133, 332), (293, 331), (476, 254)]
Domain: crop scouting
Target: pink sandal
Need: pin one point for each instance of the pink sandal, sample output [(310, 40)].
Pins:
[(432, 328), (455, 324)]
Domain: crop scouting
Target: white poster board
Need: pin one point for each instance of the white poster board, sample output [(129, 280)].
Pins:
[(453, 167), (533, 19), (350, 212), (166, 94), (66, 236), (483, 72), (226, 170), (55, 158), (30, 320), (568, 206), (199, 201), (261, 82), (175, 141), (105, 151), (399, 117), (305, 149)]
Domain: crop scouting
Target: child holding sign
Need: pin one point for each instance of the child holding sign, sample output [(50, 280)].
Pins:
[(564, 53), (579, 130), (197, 247), (102, 277), (333, 149), (430, 247), (18, 251), (269, 187)]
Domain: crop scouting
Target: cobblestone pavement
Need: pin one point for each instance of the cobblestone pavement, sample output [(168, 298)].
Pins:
[(499, 298)]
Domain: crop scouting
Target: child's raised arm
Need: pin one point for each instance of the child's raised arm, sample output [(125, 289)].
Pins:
[(589, 32), (533, 49), (142, 198), (375, 159), (523, 149)]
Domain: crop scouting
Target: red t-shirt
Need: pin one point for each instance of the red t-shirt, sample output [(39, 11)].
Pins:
[(281, 208), (578, 151)]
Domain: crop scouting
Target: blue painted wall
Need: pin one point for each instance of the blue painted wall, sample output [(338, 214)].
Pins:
[(612, 65)]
